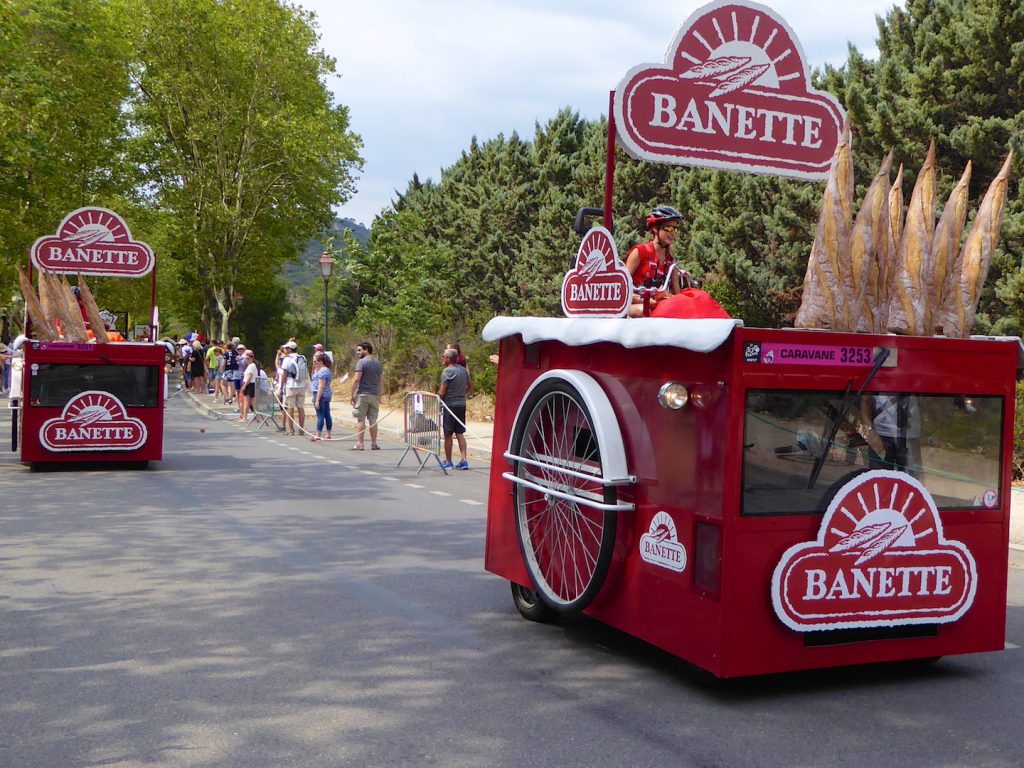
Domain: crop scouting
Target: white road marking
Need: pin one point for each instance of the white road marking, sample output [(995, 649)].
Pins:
[(332, 461), (413, 485), (440, 493), (369, 472), (472, 502)]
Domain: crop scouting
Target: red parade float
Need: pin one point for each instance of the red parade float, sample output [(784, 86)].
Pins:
[(750, 500), (93, 402)]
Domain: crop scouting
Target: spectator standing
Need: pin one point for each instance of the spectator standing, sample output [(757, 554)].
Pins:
[(5, 357), (198, 365), (366, 395), (213, 358), (185, 360), (294, 382), (230, 364), (456, 386), (328, 357), (461, 359), (240, 350), (321, 380), (247, 393)]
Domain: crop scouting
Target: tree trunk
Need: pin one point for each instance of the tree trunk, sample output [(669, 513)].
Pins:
[(225, 306)]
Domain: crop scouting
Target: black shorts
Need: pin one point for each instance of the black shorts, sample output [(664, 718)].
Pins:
[(250, 389), (451, 426)]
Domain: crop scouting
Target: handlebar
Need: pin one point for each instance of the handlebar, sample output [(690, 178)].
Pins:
[(685, 279)]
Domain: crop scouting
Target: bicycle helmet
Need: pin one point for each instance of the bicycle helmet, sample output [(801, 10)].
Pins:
[(662, 215)]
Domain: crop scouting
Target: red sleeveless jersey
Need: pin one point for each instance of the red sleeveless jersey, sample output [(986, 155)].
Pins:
[(649, 268)]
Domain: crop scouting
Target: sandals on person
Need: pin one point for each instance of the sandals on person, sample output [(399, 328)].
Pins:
[(374, 447), (356, 448)]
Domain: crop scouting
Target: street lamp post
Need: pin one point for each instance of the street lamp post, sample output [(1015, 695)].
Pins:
[(326, 267)]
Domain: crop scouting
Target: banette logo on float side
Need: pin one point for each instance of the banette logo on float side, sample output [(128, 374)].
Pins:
[(734, 94), (95, 242)]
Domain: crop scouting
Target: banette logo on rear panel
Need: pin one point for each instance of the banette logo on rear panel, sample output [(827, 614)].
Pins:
[(734, 93), (880, 559), (93, 421)]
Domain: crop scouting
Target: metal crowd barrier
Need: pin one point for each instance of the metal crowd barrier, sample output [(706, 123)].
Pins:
[(264, 405), (422, 428)]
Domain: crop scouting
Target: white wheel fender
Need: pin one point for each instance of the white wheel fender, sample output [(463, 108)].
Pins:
[(606, 425)]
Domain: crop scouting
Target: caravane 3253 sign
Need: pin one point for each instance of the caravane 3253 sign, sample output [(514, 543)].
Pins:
[(880, 559), (734, 93), (93, 241)]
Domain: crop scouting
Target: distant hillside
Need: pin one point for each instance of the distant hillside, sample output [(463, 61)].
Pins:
[(304, 268)]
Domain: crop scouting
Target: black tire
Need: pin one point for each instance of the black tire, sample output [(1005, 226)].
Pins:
[(530, 606), (567, 547)]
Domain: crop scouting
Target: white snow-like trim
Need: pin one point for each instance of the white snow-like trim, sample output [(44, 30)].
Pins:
[(704, 335)]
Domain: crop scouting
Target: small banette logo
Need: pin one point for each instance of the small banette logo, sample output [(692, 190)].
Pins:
[(880, 559), (734, 93), (660, 545), (599, 284), (93, 421), (93, 241)]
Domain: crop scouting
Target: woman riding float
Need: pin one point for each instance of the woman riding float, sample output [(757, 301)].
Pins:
[(651, 264)]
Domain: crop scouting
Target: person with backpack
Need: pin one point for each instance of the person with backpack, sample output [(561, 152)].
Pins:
[(294, 383)]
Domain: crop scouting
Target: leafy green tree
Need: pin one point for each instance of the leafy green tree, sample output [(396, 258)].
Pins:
[(409, 296), (240, 140), (63, 79)]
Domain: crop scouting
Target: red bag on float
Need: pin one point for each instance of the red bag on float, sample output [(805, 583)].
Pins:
[(689, 304)]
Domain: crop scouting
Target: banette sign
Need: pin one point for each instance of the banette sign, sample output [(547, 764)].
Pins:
[(93, 421), (880, 559), (93, 241), (598, 285), (734, 93)]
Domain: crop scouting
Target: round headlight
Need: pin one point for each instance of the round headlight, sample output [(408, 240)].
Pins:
[(673, 395)]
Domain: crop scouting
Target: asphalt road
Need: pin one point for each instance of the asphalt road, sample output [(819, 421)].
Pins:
[(255, 600)]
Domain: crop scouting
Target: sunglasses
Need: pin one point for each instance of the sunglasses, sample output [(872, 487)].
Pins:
[(669, 228)]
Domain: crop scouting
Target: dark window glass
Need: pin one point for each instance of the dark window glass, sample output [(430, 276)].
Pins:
[(136, 386), (951, 443)]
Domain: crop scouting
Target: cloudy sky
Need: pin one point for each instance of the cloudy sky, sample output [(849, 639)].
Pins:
[(422, 77)]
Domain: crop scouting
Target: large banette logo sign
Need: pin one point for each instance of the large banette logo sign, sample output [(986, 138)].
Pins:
[(734, 93), (93, 421), (93, 241), (880, 559), (598, 285)]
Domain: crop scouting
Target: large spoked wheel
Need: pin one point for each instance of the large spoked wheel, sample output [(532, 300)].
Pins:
[(567, 545)]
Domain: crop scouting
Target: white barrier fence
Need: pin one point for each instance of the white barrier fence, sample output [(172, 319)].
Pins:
[(421, 428)]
